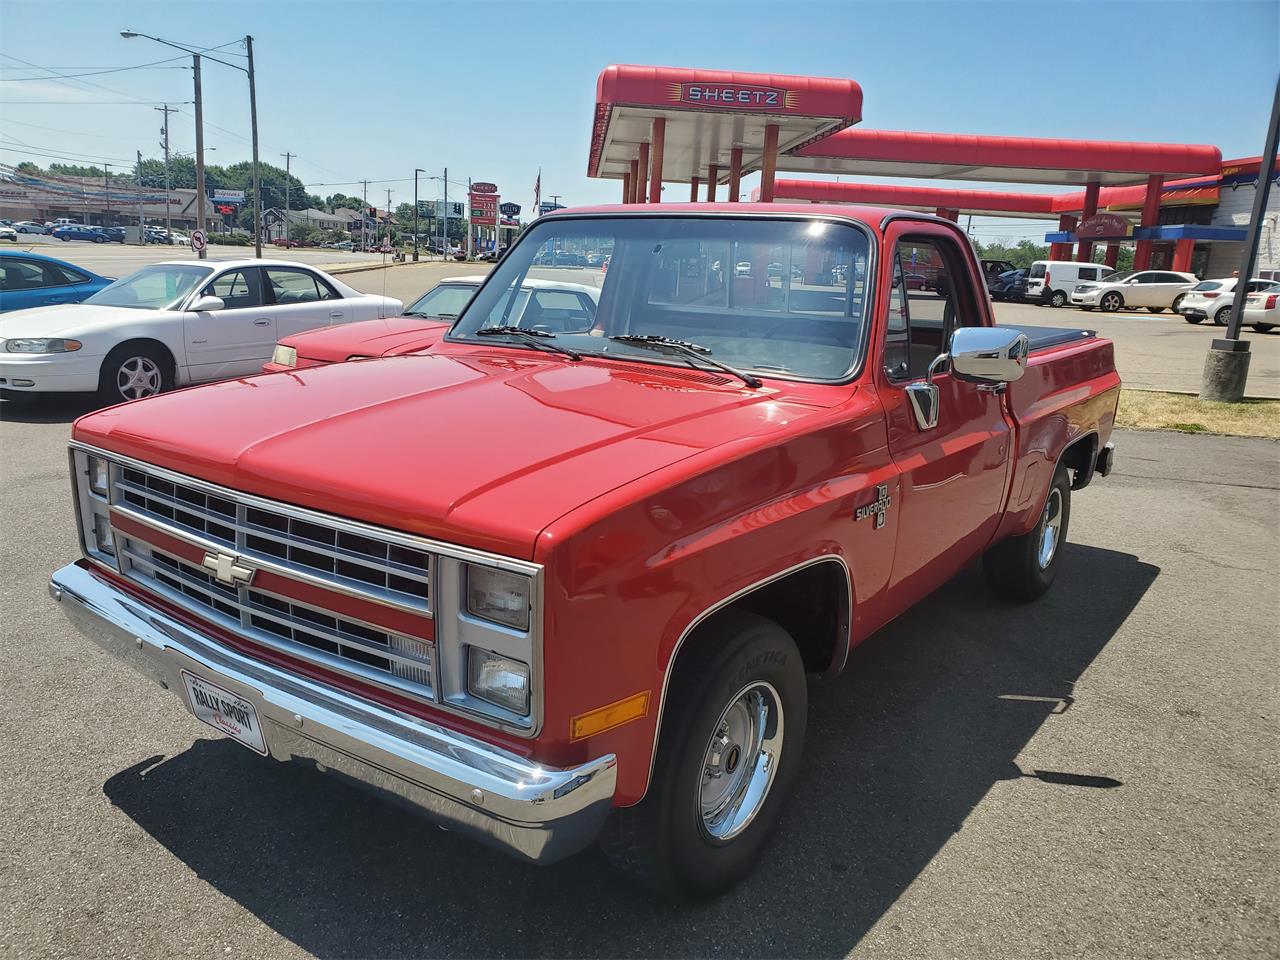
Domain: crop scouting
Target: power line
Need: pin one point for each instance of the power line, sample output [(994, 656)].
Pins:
[(154, 64), (78, 133), (78, 159), (5, 101)]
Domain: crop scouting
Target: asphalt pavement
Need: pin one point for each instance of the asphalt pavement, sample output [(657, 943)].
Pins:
[(1090, 775)]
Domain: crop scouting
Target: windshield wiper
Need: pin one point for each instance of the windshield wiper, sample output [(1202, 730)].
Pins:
[(535, 338), (684, 348), (430, 316)]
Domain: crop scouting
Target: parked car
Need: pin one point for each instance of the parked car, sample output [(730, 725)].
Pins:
[(114, 234), (992, 269), (30, 226), (915, 281), (34, 280), (555, 586), (540, 305), (1052, 281), (62, 222), (78, 231), (177, 237), (1010, 285), (1213, 299), (1262, 309), (1157, 290), (172, 324), (8, 233)]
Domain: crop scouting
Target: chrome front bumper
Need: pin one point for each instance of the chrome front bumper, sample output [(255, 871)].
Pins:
[(533, 812)]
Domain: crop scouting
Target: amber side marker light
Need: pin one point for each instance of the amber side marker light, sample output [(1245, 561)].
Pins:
[(609, 716)]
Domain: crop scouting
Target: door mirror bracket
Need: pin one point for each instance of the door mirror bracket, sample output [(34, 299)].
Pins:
[(923, 396)]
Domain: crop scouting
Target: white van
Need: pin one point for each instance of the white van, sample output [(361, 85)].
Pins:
[(1051, 281)]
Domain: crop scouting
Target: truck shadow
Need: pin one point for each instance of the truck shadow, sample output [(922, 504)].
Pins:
[(55, 408), (930, 714)]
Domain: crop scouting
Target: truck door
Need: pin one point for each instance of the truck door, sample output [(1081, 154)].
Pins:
[(953, 471)]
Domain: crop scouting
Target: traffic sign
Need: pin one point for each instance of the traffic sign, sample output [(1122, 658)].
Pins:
[(198, 240)]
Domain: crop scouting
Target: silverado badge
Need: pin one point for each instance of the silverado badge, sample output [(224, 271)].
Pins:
[(225, 570), (876, 508)]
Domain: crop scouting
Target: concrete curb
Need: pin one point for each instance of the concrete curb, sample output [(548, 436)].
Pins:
[(362, 267)]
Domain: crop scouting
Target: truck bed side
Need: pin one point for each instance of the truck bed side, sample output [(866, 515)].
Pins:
[(1069, 392)]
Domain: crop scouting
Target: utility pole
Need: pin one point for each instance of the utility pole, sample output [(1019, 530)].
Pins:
[(106, 184), (203, 253), (471, 229), (387, 237), (257, 186), (364, 219), (555, 199), (142, 221), (287, 232), (416, 171), (168, 178), (444, 241)]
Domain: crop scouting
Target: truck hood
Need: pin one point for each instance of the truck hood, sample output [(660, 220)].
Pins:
[(370, 338), (478, 449), (68, 320)]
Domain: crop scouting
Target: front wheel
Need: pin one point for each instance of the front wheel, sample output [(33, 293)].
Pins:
[(1111, 302), (1023, 568), (1156, 309), (1058, 299), (1177, 302), (728, 756), (1192, 319), (132, 372)]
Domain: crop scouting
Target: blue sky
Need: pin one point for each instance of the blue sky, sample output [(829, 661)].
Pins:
[(496, 90)]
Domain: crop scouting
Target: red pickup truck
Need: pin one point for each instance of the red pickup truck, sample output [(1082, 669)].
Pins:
[(562, 580)]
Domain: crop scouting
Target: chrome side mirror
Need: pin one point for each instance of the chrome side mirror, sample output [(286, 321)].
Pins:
[(924, 396), (206, 303), (988, 355)]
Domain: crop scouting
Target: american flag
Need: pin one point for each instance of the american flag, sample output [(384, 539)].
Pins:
[(537, 195)]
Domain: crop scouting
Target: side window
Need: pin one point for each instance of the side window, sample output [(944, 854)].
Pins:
[(931, 307), (1088, 273), (1146, 278), (237, 288), (18, 274), (297, 286), (72, 276), (1169, 278)]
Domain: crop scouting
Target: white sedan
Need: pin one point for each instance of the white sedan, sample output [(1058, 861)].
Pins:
[(1154, 289), (1213, 298), (174, 324), (1262, 309)]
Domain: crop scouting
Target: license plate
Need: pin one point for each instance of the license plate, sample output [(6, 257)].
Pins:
[(225, 711)]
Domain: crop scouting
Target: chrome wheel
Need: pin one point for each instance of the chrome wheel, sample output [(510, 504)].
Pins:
[(741, 760), (138, 377), (1111, 302), (1050, 526)]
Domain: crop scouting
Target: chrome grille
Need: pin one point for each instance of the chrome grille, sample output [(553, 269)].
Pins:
[(381, 569), (305, 630)]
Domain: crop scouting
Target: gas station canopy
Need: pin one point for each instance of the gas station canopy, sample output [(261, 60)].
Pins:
[(986, 203), (897, 153), (708, 113)]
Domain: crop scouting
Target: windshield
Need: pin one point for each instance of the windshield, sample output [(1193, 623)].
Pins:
[(158, 287), (443, 300), (1117, 277), (777, 297), (1208, 285)]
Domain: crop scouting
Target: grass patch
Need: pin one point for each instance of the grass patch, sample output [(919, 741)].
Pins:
[(1152, 410)]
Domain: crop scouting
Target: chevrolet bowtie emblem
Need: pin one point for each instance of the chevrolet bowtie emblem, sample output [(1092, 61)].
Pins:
[(225, 569)]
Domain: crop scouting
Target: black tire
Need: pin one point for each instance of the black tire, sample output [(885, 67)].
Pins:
[(663, 842), (1264, 327), (1086, 309), (65, 239), (1058, 298), (1190, 319), (1177, 302), (99, 239), (1156, 309), (110, 376), (1111, 302), (1013, 567), (1222, 315)]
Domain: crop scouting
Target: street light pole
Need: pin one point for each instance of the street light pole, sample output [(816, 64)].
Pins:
[(287, 232), (416, 171), (257, 187)]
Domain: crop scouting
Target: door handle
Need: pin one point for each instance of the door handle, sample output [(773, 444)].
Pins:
[(262, 322), (336, 315)]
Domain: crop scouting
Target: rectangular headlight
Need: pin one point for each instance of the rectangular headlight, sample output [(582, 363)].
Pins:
[(98, 476), (103, 539), (498, 596), (285, 356), (499, 680)]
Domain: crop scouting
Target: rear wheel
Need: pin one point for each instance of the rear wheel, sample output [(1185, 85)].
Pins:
[(134, 371), (1156, 309), (1111, 302), (728, 756), (1058, 299), (1222, 316), (1177, 302), (1264, 327), (1190, 319), (1023, 568)]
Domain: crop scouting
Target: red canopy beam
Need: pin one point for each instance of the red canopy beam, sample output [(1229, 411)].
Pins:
[(769, 162), (1150, 218), (1084, 252), (713, 174), (693, 189), (735, 173), (641, 193)]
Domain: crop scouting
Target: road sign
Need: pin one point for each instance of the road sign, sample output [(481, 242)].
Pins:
[(198, 240)]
